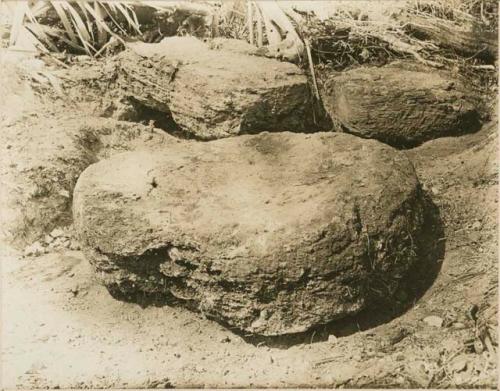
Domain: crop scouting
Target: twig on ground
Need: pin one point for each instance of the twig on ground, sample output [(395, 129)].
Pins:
[(57, 61), (318, 363), (484, 67), (260, 32), (442, 368), (250, 22), (311, 68)]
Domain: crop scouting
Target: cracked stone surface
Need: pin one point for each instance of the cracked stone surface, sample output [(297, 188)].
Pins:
[(270, 234)]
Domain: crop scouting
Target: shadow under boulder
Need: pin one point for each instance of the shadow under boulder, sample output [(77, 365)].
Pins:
[(270, 234), (401, 104)]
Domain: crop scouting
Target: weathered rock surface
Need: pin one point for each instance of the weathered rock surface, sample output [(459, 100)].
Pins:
[(219, 93), (401, 105), (41, 160), (208, 93), (271, 233)]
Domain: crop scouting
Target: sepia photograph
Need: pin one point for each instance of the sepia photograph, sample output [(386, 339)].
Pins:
[(249, 194)]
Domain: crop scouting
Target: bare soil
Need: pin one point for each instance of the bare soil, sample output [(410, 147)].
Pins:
[(61, 329)]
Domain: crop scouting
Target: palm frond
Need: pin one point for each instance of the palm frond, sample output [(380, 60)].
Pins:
[(101, 30), (86, 25), (124, 10), (65, 21), (17, 22), (38, 31)]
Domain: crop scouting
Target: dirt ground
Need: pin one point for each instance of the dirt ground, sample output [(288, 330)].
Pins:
[(63, 330)]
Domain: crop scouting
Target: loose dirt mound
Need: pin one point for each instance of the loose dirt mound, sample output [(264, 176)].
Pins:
[(44, 156), (271, 234)]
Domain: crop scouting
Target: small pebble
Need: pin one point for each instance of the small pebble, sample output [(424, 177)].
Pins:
[(332, 338), (57, 232), (73, 245), (476, 225), (459, 365), (478, 346), (64, 193), (35, 249), (74, 291), (434, 321)]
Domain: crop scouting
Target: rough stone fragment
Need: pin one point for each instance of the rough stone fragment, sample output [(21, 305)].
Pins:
[(271, 233)]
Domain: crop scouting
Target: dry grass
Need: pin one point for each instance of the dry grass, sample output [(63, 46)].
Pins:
[(457, 11), (351, 37)]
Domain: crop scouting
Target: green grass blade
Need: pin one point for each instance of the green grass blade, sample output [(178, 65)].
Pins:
[(134, 16), (59, 34), (39, 8), (98, 19), (87, 20)]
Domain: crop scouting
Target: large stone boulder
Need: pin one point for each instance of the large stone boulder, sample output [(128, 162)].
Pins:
[(271, 233), (185, 86), (401, 104)]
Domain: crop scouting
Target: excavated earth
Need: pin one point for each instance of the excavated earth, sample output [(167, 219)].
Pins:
[(420, 315), (41, 168)]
